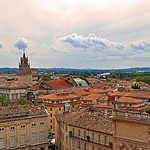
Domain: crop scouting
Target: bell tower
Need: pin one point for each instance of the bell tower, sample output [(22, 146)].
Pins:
[(24, 74)]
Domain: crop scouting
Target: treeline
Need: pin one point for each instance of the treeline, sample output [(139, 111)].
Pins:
[(139, 76)]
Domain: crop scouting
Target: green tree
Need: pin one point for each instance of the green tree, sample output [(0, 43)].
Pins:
[(148, 111), (135, 86), (4, 101), (22, 100), (46, 78)]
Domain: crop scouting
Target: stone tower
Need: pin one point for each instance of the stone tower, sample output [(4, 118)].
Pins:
[(24, 74)]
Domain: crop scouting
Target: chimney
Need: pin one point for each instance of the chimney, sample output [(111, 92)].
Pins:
[(1, 104), (11, 104)]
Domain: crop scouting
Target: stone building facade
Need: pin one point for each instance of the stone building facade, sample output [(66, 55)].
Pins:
[(23, 128), (132, 131), (84, 130)]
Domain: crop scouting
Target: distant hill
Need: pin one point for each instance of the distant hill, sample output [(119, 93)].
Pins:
[(144, 69)]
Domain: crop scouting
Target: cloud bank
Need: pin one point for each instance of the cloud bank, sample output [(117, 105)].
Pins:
[(21, 44), (1, 44), (91, 42)]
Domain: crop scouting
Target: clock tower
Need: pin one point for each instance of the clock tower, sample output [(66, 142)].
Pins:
[(24, 74)]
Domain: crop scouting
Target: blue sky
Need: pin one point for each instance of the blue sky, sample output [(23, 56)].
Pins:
[(75, 33)]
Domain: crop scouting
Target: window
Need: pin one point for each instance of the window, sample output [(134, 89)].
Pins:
[(99, 138), (79, 145), (66, 139), (1, 129), (130, 104), (59, 108), (93, 147), (51, 127), (2, 143), (84, 134), (43, 148), (23, 140), (66, 127), (73, 131), (92, 136), (42, 136), (73, 143), (84, 146), (51, 115), (12, 128), (33, 137), (51, 121), (51, 109), (33, 124), (41, 123), (12, 141), (78, 132), (23, 126)]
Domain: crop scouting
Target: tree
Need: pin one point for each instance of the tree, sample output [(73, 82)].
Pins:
[(4, 101), (46, 78), (148, 111), (22, 100), (135, 86)]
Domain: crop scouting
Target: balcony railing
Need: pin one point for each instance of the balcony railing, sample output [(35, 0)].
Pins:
[(89, 140), (125, 115)]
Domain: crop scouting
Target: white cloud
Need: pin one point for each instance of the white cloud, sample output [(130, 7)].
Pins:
[(92, 42), (142, 45), (1, 44), (21, 44)]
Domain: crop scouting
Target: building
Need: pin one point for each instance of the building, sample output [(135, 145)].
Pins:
[(132, 131), (91, 99), (23, 128), (13, 90), (24, 74), (34, 74), (85, 130), (58, 102)]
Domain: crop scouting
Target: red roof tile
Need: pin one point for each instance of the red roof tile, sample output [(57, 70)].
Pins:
[(38, 87), (58, 96), (82, 92), (92, 96), (129, 100), (59, 84)]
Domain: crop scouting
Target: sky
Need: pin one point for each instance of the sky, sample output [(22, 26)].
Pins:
[(98, 34)]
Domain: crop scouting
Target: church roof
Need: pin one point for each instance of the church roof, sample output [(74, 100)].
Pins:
[(59, 84)]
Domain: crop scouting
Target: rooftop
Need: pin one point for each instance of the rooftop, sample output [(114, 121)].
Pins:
[(92, 96), (88, 120), (129, 100), (59, 96), (15, 112), (59, 84)]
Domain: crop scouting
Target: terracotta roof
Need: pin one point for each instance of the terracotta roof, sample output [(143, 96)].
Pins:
[(38, 87), (97, 91), (92, 96), (92, 121), (58, 96), (82, 92), (103, 98), (18, 111), (59, 104), (130, 94), (59, 84), (12, 84), (129, 100), (144, 107)]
